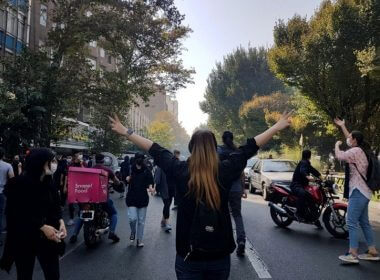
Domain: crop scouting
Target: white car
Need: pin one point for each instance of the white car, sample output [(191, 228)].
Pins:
[(271, 171)]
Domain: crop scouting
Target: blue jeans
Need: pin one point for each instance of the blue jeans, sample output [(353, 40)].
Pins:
[(137, 218), (357, 215), (202, 270), (2, 207), (112, 214)]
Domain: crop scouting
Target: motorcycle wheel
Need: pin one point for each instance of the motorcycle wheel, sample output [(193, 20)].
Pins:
[(338, 229), (280, 220), (89, 235)]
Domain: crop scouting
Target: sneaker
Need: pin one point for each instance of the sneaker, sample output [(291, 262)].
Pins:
[(70, 222), (113, 237), (318, 224), (349, 258), (132, 237), (369, 257), (139, 244), (168, 228), (240, 251), (73, 239)]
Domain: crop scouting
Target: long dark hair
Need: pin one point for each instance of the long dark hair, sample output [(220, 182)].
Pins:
[(35, 161), (359, 137)]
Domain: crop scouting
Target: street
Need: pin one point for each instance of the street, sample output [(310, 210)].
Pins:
[(301, 252)]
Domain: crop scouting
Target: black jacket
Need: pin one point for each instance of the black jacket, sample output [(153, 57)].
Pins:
[(30, 204), (229, 170), (137, 195), (303, 170)]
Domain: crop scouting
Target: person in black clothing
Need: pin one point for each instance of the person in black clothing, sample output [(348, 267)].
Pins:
[(137, 200), (301, 178), (125, 171), (203, 183), (237, 191), (167, 195), (171, 182), (17, 166), (34, 219)]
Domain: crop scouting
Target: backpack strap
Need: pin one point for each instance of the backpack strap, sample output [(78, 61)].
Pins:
[(361, 175)]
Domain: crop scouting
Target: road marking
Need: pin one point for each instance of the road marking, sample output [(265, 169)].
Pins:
[(71, 250), (256, 261)]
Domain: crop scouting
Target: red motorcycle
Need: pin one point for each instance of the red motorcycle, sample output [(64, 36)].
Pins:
[(323, 194)]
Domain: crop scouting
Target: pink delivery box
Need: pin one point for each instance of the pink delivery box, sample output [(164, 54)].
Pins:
[(87, 185)]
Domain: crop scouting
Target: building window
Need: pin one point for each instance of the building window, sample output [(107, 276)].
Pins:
[(102, 52), (93, 44), (12, 24), (43, 15)]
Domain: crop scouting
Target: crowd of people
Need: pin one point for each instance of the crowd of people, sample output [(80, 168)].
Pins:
[(207, 188)]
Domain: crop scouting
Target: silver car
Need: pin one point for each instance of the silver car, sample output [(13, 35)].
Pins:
[(271, 171)]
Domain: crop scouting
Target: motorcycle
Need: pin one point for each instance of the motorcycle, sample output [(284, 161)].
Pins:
[(95, 222), (323, 195), (95, 219)]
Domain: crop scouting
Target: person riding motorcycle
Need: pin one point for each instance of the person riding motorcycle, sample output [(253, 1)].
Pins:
[(108, 206), (301, 179)]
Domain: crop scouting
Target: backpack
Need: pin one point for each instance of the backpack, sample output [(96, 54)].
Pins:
[(373, 172), (209, 234)]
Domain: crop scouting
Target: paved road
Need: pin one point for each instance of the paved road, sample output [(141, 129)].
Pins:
[(301, 252)]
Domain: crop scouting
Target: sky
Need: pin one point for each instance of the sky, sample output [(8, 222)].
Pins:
[(219, 27)]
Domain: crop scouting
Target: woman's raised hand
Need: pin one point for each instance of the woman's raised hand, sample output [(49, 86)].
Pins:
[(117, 126), (339, 122), (284, 121)]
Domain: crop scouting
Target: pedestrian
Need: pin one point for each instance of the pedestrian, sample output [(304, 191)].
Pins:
[(17, 165), (237, 191), (125, 171), (171, 181), (59, 179), (137, 200), (6, 173), (358, 194), (34, 219), (167, 195), (204, 238)]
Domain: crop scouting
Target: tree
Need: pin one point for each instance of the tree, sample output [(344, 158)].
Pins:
[(242, 75), (181, 138), (143, 39), (161, 133), (328, 59)]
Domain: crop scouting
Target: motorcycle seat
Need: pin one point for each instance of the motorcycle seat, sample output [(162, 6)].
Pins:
[(284, 187)]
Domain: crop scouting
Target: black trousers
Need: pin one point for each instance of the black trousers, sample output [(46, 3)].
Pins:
[(47, 257), (167, 202), (303, 200)]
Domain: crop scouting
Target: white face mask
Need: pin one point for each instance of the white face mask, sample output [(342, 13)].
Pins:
[(80, 157), (348, 142), (53, 167)]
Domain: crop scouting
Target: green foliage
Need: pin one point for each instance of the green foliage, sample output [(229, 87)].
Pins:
[(143, 41), (328, 58), (242, 75), (161, 133), (181, 138)]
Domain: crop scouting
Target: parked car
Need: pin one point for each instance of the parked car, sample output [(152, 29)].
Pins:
[(267, 172), (247, 170)]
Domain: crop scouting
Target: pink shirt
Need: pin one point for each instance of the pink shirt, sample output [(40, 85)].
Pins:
[(357, 156)]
